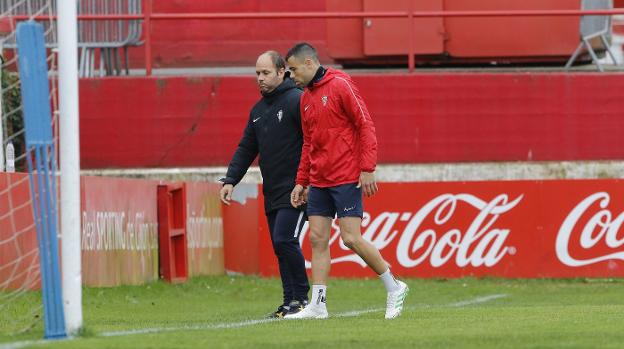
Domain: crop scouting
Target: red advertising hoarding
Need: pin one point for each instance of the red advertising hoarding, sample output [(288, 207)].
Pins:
[(119, 231), (560, 228), (119, 224), (204, 229), (241, 231)]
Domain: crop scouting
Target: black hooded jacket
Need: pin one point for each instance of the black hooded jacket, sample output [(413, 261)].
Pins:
[(274, 132)]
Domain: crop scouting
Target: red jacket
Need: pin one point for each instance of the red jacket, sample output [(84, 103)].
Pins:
[(338, 133)]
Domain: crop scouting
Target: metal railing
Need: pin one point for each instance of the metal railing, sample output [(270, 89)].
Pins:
[(409, 14), (107, 33), (108, 36), (148, 16)]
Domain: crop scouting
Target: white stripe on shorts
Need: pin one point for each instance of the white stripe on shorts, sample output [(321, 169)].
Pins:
[(297, 226)]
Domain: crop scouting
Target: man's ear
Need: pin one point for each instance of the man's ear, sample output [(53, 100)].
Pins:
[(281, 72)]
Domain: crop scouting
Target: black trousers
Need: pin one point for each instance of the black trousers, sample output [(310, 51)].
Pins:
[(285, 226)]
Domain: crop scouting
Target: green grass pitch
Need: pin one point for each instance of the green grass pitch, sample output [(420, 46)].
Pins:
[(227, 312)]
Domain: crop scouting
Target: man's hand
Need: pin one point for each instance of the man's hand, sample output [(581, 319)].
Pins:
[(298, 196), (226, 193), (368, 184), (305, 194)]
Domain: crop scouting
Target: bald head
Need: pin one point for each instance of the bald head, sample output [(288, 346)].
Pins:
[(270, 69), (277, 59)]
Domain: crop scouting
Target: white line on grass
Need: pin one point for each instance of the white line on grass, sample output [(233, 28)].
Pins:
[(473, 301), (23, 344), (186, 328), (225, 325), (17, 345), (477, 300)]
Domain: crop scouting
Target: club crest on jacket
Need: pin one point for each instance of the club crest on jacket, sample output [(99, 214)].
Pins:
[(279, 115)]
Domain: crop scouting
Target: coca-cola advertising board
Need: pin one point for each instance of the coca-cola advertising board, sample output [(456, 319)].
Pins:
[(554, 228)]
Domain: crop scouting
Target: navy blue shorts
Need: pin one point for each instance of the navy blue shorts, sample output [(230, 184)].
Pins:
[(342, 200)]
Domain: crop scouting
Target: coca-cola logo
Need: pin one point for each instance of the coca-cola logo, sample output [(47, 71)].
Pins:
[(479, 243), (600, 226)]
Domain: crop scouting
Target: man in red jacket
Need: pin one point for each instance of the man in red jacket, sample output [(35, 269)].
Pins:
[(338, 162)]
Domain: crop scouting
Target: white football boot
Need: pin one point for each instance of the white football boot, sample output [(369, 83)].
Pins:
[(394, 302), (316, 309), (311, 311)]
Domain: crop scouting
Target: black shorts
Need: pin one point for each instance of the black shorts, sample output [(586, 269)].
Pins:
[(342, 201)]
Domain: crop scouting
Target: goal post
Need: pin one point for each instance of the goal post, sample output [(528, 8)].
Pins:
[(70, 163), (40, 210)]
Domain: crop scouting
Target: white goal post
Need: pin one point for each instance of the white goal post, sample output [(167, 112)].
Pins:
[(70, 164)]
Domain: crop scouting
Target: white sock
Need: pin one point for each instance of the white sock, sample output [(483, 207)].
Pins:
[(389, 281), (319, 293)]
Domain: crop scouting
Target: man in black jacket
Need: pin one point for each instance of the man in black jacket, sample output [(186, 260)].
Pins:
[(274, 132)]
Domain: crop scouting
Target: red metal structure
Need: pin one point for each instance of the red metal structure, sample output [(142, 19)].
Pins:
[(172, 244), (461, 31), (362, 30), (430, 15)]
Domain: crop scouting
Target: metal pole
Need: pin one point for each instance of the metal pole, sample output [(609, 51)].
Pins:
[(70, 164), (148, 37), (410, 37), (1, 111), (336, 15)]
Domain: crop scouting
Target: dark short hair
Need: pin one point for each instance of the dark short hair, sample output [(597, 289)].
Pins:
[(303, 50), (277, 59)]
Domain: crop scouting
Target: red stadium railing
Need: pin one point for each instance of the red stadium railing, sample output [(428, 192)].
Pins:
[(149, 16)]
